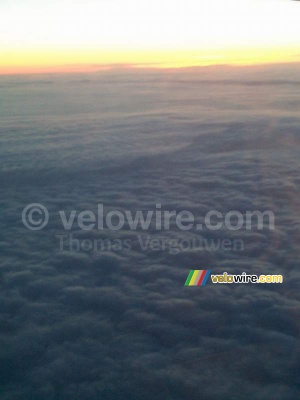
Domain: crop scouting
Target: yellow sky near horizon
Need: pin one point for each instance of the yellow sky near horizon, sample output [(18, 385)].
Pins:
[(36, 35)]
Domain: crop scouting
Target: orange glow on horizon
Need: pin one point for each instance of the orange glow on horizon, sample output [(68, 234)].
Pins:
[(28, 62)]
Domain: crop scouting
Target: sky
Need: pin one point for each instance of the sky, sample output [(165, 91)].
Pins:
[(71, 35)]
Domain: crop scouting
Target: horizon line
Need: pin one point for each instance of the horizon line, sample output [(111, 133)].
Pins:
[(69, 69)]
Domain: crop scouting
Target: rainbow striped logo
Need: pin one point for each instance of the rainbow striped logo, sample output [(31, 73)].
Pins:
[(197, 277)]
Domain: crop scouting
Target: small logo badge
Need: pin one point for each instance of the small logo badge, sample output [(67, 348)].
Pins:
[(197, 277)]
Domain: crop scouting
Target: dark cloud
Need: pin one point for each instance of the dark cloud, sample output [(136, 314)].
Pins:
[(119, 324)]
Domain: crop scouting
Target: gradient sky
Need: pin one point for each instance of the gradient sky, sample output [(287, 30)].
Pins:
[(70, 34)]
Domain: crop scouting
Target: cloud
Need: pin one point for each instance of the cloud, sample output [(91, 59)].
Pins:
[(120, 324)]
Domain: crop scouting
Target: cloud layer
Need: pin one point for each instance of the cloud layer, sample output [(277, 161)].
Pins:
[(120, 324)]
